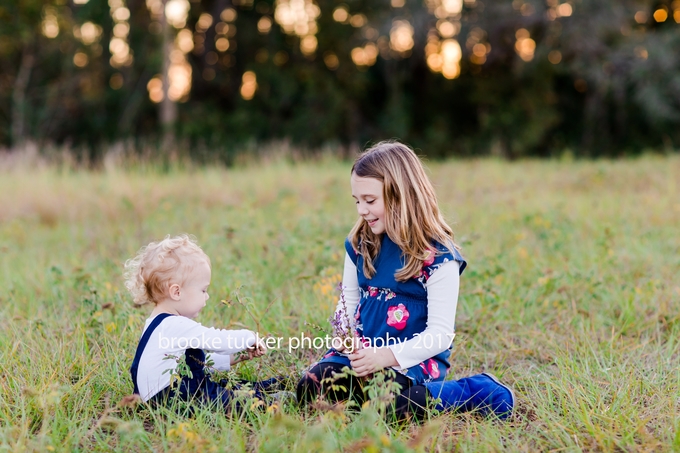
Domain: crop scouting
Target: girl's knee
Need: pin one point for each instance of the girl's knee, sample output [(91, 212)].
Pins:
[(412, 403), (307, 388)]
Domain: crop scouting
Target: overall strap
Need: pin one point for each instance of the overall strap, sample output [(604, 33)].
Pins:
[(142, 344)]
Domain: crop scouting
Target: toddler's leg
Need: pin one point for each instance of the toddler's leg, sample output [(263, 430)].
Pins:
[(268, 385), (312, 383)]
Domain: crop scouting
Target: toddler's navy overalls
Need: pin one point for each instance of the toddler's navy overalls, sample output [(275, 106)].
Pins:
[(196, 387)]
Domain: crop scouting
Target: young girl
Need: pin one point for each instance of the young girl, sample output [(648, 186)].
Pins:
[(400, 278), (174, 275)]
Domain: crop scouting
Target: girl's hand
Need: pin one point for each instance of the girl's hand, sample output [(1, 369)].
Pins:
[(348, 347), (369, 360)]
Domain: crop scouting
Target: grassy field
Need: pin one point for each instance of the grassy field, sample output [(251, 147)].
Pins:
[(572, 296)]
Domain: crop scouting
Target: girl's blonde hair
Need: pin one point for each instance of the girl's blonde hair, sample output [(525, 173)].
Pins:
[(160, 264), (412, 217)]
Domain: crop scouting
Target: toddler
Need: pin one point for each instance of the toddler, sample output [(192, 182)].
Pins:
[(174, 275)]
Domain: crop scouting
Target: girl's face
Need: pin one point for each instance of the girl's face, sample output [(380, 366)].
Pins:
[(368, 195)]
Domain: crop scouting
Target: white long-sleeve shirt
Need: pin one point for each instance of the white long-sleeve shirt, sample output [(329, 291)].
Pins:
[(173, 336), (442, 300)]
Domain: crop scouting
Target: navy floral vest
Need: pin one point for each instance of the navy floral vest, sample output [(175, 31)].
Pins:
[(390, 311)]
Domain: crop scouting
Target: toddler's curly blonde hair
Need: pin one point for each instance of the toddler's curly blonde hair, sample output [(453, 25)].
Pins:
[(160, 264)]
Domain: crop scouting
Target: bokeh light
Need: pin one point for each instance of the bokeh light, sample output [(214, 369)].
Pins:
[(179, 72), (121, 30), (340, 14), (478, 48), (660, 15), (564, 10), (176, 11), (448, 29), (401, 36), (444, 56), (358, 20), (331, 60), (204, 22), (50, 26), (155, 87), (298, 17), (228, 15), (121, 54), (88, 33), (641, 17), (308, 44), (222, 44), (365, 56), (555, 56), (451, 53), (524, 46), (264, 24), (185, 40), (120, 14), (445, 8), (248, 85), (80, 59)]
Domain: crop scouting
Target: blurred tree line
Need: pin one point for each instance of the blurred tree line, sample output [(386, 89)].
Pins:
[(464, 77)]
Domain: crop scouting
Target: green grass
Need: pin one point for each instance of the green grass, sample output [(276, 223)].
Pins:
[(571, 296)]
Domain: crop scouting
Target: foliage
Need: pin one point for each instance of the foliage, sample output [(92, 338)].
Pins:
[(586, 76)]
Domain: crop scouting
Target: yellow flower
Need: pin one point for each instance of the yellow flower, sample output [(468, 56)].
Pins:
[(274, 408), (183, 431)]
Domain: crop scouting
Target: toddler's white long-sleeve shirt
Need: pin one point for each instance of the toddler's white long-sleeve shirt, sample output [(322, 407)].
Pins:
[(173, 336)]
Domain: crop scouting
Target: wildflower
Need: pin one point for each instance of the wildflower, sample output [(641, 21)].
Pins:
[(342, 323)]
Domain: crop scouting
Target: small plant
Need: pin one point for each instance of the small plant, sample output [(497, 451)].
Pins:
[(342, 323), (180, 371)]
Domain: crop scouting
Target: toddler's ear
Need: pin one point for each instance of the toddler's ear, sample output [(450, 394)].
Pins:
[(175, 291)]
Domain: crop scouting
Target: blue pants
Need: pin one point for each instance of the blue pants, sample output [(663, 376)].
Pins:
[(483, 393)]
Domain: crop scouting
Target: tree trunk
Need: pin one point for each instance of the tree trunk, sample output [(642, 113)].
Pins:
[(168, 108), (19, 98)]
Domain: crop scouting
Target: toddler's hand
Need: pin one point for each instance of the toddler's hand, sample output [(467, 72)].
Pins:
[(257, 350)]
